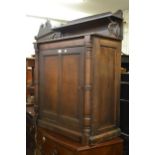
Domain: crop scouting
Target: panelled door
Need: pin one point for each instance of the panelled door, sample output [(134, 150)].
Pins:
[(60, 93)]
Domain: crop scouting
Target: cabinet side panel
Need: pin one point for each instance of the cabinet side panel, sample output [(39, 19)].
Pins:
[(106, 85)]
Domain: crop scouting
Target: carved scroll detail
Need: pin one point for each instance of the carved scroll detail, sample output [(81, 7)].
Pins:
[(114, 28), (47, 33), (55, 35)]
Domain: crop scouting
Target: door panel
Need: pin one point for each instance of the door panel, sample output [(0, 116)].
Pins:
[(49, 82), (70, 109), (70, 83)]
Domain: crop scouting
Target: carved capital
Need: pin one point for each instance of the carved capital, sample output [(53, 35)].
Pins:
[(88, 45)]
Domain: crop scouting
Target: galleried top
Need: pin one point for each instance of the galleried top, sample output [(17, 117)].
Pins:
[(107, 24)]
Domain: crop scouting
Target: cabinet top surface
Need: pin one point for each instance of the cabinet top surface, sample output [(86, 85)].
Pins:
[(107, 24), (117, 15)]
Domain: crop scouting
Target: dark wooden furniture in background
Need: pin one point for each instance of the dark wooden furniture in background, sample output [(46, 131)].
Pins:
[(30, 134), (78, 84), (30, 130), (30, 64), (124, 102)]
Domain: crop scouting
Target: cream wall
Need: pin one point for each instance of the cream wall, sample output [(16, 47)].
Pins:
[(125, 42)]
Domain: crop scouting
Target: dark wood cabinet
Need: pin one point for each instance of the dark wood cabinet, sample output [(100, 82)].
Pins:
[(77, 83), (79, 87)]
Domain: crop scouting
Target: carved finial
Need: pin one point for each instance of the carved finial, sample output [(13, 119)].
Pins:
[(118, 14), (48, 24), (44, 29)]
